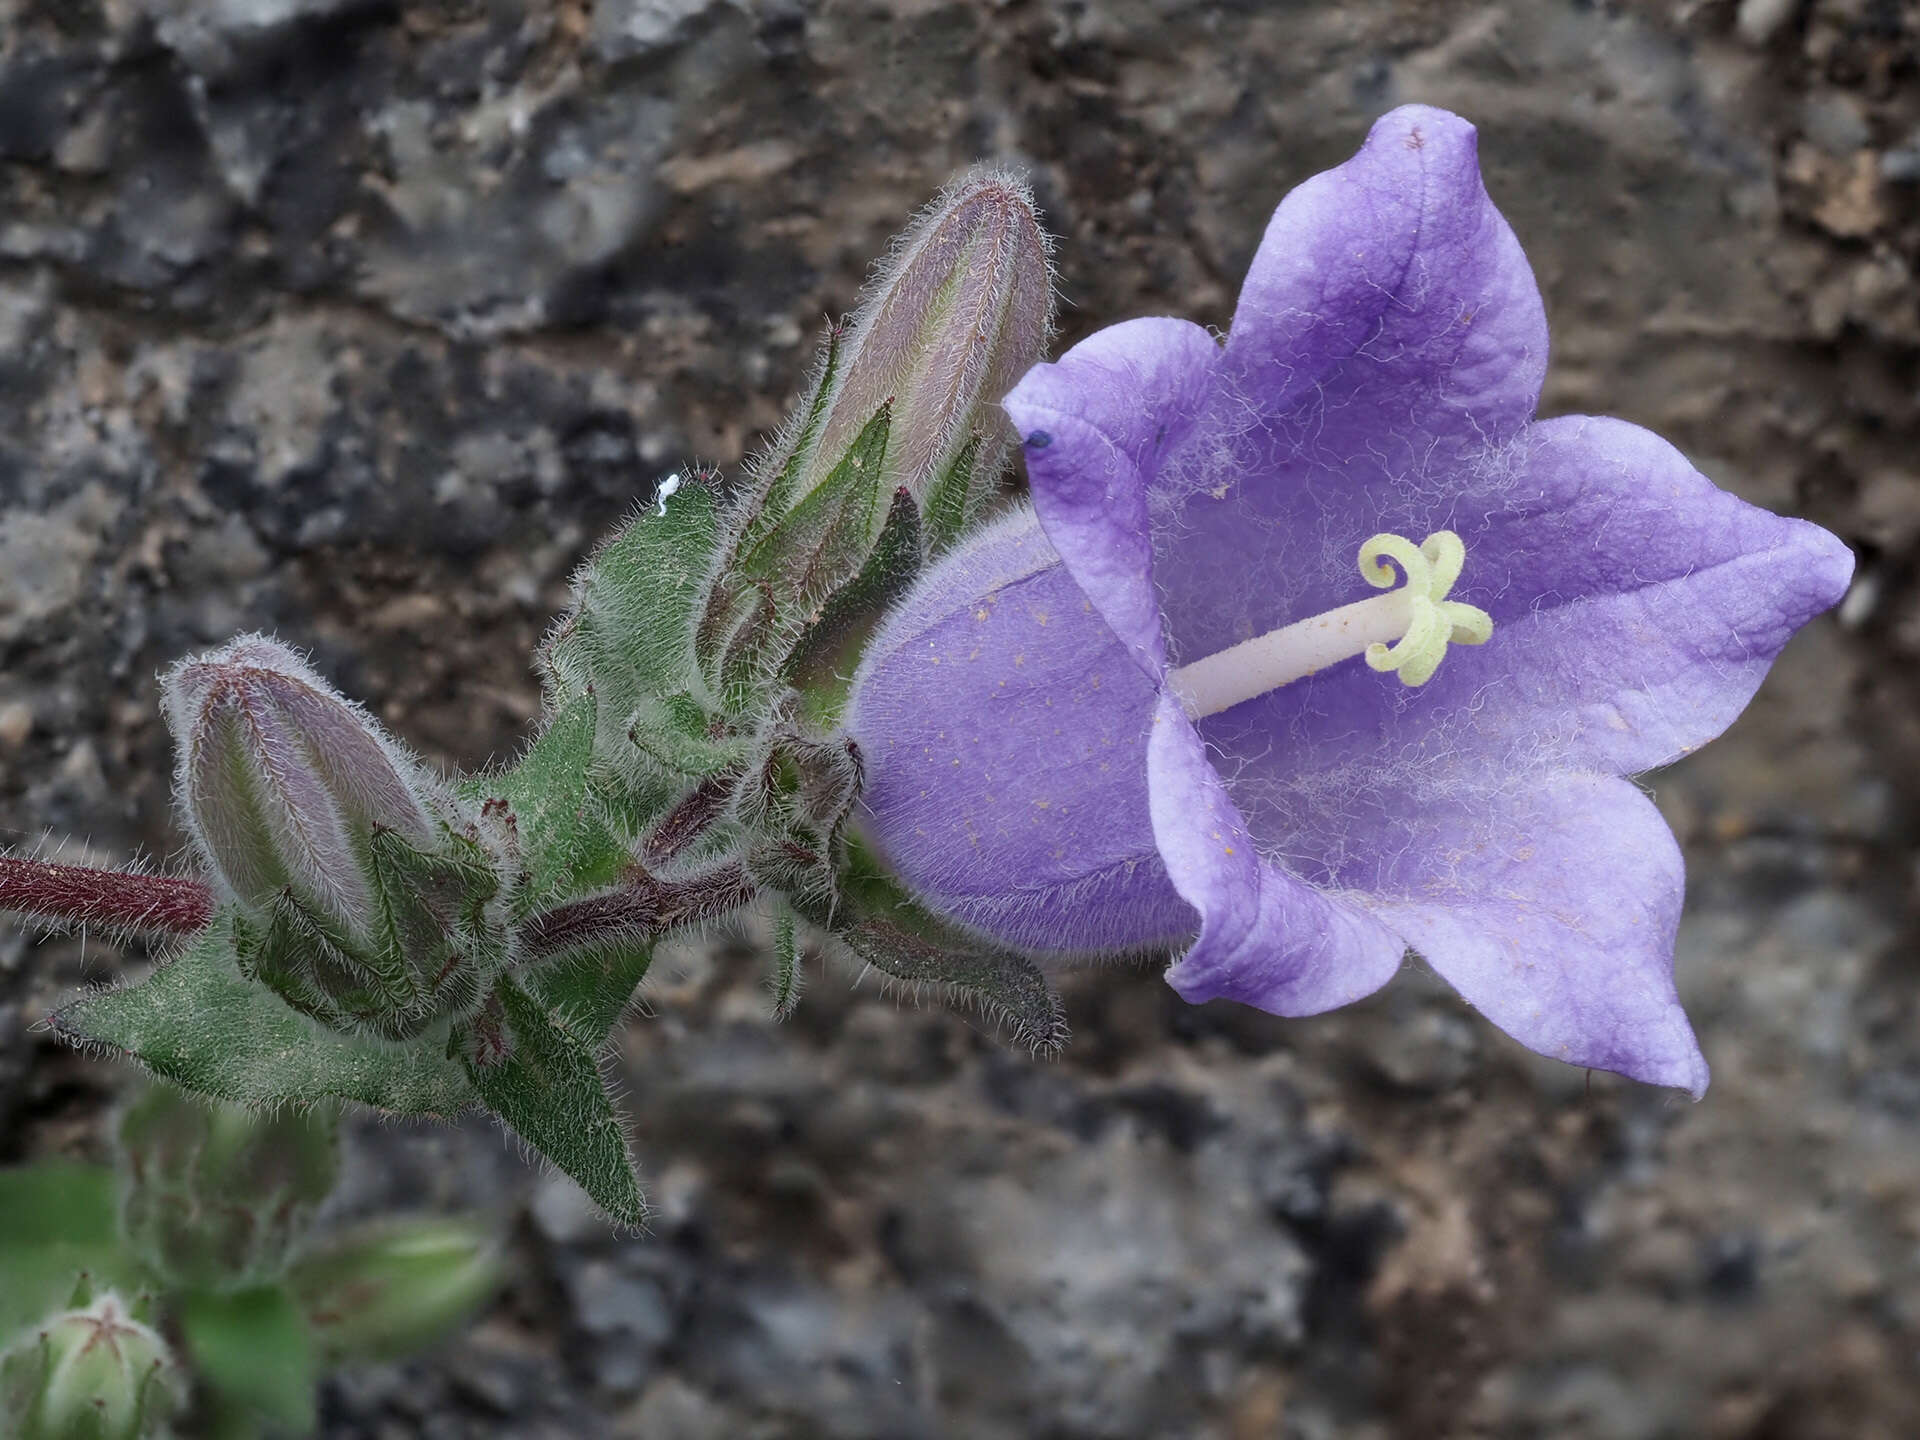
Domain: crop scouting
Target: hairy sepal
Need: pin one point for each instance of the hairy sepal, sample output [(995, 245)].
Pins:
[(881, 926)]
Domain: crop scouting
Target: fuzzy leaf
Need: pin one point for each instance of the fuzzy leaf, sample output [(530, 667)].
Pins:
[(550, 1092), (631, 633), (591, 989), (1007, 986), (565, 843), (253, 1346), (825, 538), (198, 1022), (779, 467), (786, 964), (952, 500), (676, 733), (882, 926)]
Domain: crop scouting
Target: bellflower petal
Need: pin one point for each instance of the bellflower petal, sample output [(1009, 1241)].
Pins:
[(1388, 335), (1555, 917), (1384, 364), (1266, 937), (1094, 428)]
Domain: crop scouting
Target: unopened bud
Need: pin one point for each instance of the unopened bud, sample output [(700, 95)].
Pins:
[(396, 1286), (902, 431), (92, 1373), (956, 313), (214, 1197), (366, 897)]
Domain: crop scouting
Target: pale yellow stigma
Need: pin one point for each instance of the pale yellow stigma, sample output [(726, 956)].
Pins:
[(1406, 631)]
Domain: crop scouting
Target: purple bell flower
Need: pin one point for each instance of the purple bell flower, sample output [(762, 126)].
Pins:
[(1156, 711)]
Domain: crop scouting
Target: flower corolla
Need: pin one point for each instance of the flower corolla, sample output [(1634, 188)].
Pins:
[(1150, 711)]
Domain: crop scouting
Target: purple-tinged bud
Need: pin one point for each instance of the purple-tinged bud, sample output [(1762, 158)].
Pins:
[(900, 440), (366, 895), (282, 779), (92, 1373), (956, 313), (213, 1197), (396, 1286)]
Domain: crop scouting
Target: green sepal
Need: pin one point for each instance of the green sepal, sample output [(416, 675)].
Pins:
[(775, 584), (951, 500), (822, 664), (254, 1348), (824, 539), (786, 978), (566, 845), (58, 1222), (790, 451), (1006, 985), (198, 1022), (884, 928), (677, 735), (549, 1091), (793, 808)]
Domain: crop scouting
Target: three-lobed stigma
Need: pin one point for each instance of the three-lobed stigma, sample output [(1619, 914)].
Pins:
[(1434, 621)]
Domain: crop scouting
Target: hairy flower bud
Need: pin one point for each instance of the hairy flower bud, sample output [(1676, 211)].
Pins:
[(92, 1373), (367, 898), (395, 1287), (214, 1197), (955, 314), (902, 435)]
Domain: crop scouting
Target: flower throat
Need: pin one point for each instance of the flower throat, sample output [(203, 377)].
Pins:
[(1406, 630)]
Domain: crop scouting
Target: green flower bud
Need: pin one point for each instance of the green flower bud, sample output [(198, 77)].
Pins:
[(92, 1373), (396, 1286), (214, 1197), (366, 896)]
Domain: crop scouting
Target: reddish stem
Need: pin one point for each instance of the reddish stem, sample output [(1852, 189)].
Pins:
[(77, 894), (638, 911)]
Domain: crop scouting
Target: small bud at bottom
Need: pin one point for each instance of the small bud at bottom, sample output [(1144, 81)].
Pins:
[(89, 1374)]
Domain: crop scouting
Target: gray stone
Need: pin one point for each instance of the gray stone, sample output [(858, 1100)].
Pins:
[(623, 29)]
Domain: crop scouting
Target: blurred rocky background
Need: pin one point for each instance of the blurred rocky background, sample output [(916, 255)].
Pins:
[(359, 320)]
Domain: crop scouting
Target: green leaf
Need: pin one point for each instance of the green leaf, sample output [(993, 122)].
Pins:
[(676, 733), (254, 1348), (1006, 985), (564, 838), (550, 1092), (791, 449), (824, 540), (591, 990), (396, 1285), (57, 1218), (635, 607), (198, 1022)]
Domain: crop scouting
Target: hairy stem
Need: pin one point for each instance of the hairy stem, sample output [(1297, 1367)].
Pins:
[(640, 910), (78, 894)]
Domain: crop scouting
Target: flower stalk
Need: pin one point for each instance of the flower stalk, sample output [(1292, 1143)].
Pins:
[(112, 899)]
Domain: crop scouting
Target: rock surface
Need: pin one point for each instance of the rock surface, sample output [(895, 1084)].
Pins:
[(359, 321)]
